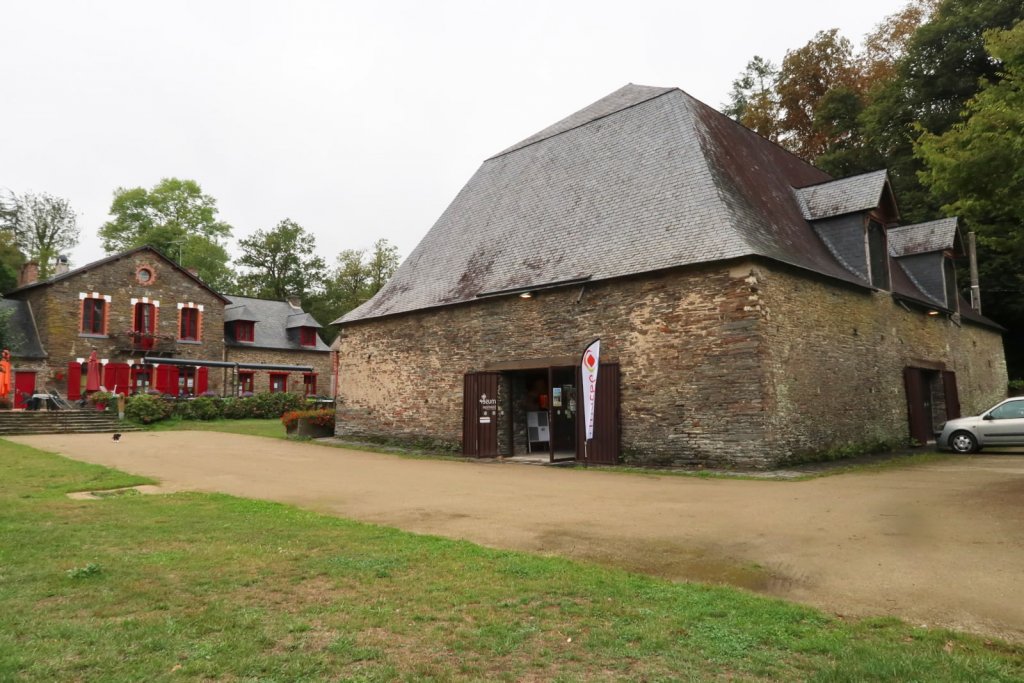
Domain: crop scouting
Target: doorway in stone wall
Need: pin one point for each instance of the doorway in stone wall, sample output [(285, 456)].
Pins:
[(932, 398)]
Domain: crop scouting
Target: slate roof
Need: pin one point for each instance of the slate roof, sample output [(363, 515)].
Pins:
[(271, 329), (837, 197), (22, 332), (239, 312), (643, 180), (110, 259), (922, 238)]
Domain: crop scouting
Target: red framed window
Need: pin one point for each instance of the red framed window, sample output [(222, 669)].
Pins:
[(278, 382), (186, 381), (142, 378), (144, 326), (245, 330), (245, 381), (307, 336), (93, 316), (188, 329), (309, 384)]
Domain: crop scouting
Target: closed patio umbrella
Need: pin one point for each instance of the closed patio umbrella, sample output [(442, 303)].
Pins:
[(92, 373), (5, 373)]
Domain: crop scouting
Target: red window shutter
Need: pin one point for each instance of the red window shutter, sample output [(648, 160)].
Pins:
[(162, 381), (202, 377), (172, 378), (116, 377), (74, 381)]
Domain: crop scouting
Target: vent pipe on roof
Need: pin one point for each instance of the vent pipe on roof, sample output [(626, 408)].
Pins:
[(972, 253), (29, 274)]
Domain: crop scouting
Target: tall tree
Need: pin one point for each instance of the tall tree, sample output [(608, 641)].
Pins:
[(178, 219), (975, 169), (11, 260), (280, 262), (43, 225), (356, 277), (753, 100), (887, 42)]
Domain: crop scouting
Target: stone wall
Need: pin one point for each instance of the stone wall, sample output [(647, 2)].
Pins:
[(836, 357), (57, 309), (747, 365), (319, 360), (688, 343)]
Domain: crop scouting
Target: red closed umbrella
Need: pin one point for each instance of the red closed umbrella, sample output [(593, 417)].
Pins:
[(92, 373)]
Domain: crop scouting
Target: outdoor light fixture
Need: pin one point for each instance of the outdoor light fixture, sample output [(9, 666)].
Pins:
[(933, 312), (526, 295)]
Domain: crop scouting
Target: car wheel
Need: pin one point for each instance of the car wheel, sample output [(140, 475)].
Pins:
[(963, 442)]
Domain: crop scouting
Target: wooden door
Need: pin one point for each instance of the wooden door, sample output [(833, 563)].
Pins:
[(604, 448), (919, 411), (480, 414), (952, 395)]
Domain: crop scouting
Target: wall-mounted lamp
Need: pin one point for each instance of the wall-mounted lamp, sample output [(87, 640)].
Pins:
[(526, 295), (933, 312)]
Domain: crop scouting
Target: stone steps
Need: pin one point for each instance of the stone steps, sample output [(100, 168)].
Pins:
[(62, 422)]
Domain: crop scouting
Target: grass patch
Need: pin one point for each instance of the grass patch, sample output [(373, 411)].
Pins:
[(213, 587), (255, 427)]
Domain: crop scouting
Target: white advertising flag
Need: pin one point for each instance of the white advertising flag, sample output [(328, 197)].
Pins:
[(588, 367)]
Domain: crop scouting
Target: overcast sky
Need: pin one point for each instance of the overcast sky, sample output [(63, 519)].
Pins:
[(357, 120)]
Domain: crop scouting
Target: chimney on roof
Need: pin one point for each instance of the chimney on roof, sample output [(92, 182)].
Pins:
[(29, 274), (62, 266), (294, 301)]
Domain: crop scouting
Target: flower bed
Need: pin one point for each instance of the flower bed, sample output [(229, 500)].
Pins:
[(312, 423)]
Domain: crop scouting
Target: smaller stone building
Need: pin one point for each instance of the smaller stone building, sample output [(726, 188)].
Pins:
[(154, 325)]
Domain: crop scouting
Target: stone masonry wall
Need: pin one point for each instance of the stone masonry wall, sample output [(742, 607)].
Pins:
[(836, 357), (57, 308), (319, 360), (689, 344)]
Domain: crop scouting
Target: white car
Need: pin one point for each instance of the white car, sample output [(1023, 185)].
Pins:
[(1001, 425)]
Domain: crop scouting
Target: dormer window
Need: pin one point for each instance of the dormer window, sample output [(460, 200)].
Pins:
[(878, 255), (949, 276), (307, 336), (245, 331)]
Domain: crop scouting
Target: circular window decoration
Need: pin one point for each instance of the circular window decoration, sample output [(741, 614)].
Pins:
[(145, 275)]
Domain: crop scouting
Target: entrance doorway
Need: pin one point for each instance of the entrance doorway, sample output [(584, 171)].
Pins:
[(535, 415), (932, 399), (24, 387)]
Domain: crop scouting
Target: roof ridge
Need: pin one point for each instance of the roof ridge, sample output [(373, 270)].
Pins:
[(523, 144)]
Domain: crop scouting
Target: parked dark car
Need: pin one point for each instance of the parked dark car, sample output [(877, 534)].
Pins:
[(1000, 425)]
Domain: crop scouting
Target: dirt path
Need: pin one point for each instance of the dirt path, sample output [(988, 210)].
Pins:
[(938, 545)]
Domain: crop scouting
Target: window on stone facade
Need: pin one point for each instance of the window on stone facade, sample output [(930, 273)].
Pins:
[(141, 379), (245, 330), (309, 384), (278, 382), (307, 336), (94, 316), (878, 255), (188, 329), (245, 381)]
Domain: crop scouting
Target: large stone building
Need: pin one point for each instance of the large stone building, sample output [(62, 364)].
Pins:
[(155, 325), (752, 310)]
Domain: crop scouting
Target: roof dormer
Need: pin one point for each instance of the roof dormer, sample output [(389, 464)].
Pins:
[(926, 252)]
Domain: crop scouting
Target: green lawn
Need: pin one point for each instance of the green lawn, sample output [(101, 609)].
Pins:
[(272, 428), (211, 587)]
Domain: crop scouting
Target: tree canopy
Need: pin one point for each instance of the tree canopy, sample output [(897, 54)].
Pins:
[(40, 227), (357, 276), (280, 262), (178, 219)]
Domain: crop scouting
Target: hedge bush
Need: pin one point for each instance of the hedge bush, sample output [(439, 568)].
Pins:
[(146, 408)]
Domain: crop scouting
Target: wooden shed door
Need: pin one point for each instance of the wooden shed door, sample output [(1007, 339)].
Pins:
[(480, 414), (918, 405), (604, 448), (952, 395)]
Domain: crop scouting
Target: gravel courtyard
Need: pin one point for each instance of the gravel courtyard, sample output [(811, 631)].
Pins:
[(938, 545)]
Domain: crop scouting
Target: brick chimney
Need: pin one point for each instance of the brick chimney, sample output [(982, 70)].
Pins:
[(29, 274), (62, 265)]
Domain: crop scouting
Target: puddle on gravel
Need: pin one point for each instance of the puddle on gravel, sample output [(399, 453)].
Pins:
[(148, 489), (672, 561)]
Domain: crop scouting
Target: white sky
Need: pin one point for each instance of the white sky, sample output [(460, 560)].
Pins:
[(357, 120)]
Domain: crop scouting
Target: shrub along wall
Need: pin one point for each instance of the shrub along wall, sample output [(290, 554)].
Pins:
[(148, 408)]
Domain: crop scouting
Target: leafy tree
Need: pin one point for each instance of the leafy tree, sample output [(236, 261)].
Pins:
[(357, 276), (11, 260), (45, 227), (975, 169), (280, 262), (753, 100), (178, 219), (886, 44)]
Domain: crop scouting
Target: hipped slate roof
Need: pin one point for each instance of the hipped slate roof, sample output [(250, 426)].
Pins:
[(271, 329), (837, 197), (645, 179), (22, 333), (922, 238)]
